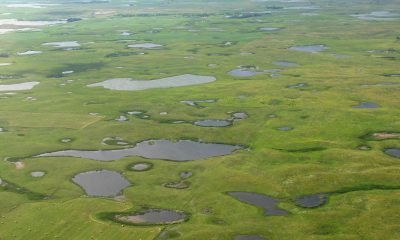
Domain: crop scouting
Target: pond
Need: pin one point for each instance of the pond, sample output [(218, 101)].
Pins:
[(142, 166), (312, 201), (213, 123), (285, 64), (30, 52), (243, 73), (145, 45), (366, 105), (394, 152), (37, 174), (269, 204), (196, 102), (153, 217), (309, 48), (127, 84), (103, 183), (377, 16), (18, 86), (182, 150), (67, 44)]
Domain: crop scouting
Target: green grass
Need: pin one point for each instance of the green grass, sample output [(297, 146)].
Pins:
[(320, 154)]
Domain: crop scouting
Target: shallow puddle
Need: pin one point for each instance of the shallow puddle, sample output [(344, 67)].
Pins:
[(366, 105), (182, 150), (212, 123), (103, 183), (127, 84), (145, 45), (299, 85), (285, 128), (312, 201), (269, 204), (309, 48), (377, 16), (269, 29), (196, 102), (67, 44), (243, 73), (285, 64), (140, 166), (239, 115), (186, 174), (37, 174)]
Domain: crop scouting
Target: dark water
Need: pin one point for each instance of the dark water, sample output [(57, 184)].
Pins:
[(311, 201), (269, 204), (154, 216), (182, 150), (101, 183), (394, 152)]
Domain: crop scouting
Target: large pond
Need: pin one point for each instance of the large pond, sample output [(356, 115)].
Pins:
[(127, 84), (269, 204), (18, 86), (103, 183), (183, 150)]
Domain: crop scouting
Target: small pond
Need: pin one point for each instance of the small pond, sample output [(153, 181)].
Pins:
[(18, 86), (153, 217), (312, 201), (269, 204), (103, 183), (309, 48)]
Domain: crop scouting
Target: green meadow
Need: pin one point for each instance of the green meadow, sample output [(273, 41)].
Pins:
[(304, 134)]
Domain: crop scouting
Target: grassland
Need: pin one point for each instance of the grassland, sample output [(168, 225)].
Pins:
[(320, 155)]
